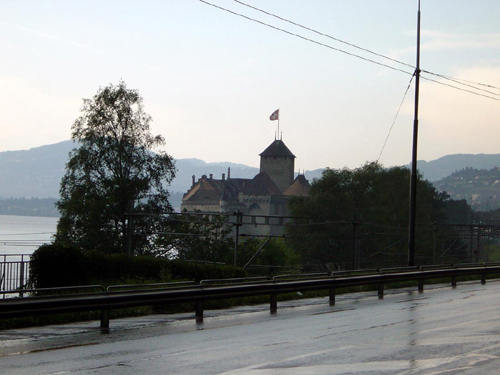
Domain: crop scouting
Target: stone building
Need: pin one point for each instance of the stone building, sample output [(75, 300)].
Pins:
[(262, 200)]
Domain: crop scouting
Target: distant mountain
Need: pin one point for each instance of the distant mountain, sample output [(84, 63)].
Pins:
[(187, 168), (443, 167), (33, 173), (37, 172), (479, 187)]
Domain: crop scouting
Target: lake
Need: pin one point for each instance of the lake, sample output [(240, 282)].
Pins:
[(24, 234)]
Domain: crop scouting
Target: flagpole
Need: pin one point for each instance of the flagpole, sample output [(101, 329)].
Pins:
[(276, 116)]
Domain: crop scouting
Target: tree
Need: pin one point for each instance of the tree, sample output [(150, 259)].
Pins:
[(266, 256), (115, 185), (196, 237), (362, 214)]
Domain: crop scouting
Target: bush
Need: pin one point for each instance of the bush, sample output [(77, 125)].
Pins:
[(54, 265), (59, 265), (113, 268), (179, 269)]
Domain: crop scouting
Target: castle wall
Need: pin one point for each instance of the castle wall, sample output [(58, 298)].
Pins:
[(280, 169)]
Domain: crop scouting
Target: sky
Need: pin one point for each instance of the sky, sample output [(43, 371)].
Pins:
[(210, 79)]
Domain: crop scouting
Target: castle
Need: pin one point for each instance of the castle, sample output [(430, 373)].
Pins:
[(263, 197)]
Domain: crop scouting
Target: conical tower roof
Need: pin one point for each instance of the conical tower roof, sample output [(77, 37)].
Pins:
[(277, 148), (299, 188)]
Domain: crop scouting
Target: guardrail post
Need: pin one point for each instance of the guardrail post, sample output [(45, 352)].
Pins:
[(332, 296), (453, 281), (420, 285), (21, 278), (483, 278), (104, 320), (381, 290), (199, 310), (273, 301)]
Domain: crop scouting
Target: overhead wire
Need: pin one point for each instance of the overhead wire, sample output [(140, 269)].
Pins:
[(470, 84), (463, 80), (456, 80), (395, 118), (305, 38), (460, 89), (325, 35)]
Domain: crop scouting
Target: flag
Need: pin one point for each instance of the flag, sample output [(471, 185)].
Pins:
[(275, 115)]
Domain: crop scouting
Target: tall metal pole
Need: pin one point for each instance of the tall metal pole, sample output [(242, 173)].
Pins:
[(238, 224), (413, 181)]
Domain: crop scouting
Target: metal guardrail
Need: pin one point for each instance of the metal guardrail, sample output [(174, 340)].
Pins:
[(129, 287), (236, 281), (190, 292), (301, 276)]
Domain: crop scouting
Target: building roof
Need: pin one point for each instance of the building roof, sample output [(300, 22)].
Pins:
[(299, 188), (232, 187), (205, 190), (277, 148), (212, 190), (261, 184)]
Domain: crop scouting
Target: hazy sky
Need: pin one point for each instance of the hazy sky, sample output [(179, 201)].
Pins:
[(211, 79)]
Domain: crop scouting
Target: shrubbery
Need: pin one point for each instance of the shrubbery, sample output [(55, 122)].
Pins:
[(57, 265)]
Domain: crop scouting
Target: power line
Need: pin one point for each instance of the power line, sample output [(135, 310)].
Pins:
[(325, 35), (464, 80), (395, 118), (460, 89), (305, 38), (456, 80)]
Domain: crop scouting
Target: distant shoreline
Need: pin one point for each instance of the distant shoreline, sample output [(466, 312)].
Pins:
[(27, 215), (39, 207)]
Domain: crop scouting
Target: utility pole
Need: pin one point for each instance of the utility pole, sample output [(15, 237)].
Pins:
[(413, 181), (130, 210), (238, 224), (356, 223)]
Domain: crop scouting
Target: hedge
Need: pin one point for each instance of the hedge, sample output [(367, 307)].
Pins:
[(57, 265)]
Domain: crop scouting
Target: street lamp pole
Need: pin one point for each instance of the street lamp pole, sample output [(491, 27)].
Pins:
[(413, 180)]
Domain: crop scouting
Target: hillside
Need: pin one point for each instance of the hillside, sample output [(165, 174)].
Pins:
[(33, 173), (37, 172), (443, 167), (479, 187)]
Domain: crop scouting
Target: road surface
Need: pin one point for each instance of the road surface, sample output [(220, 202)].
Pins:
[(443, 330)]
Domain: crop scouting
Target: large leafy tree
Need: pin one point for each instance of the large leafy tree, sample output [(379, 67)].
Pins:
[(362, 215), (115, 185)]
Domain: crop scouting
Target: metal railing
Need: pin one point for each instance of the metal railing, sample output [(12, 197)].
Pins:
[(14, 272), (171, 293)]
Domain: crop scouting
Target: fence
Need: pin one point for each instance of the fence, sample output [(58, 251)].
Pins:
[(14, 272), (166, 294), (354, 243)]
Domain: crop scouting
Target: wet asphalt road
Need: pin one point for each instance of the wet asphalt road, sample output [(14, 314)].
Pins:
[(439, 331)]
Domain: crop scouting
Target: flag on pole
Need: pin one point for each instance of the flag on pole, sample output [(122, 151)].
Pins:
[(275, 115)]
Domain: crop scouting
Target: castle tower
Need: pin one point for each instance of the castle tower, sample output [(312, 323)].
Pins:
[(279, 163)]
